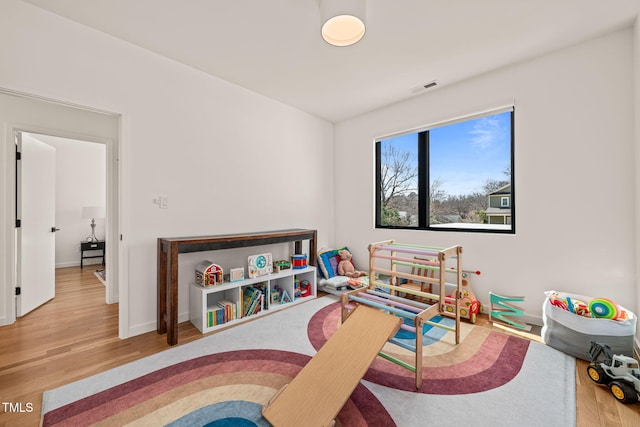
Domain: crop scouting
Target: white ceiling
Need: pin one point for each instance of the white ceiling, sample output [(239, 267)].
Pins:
[(273, 47)]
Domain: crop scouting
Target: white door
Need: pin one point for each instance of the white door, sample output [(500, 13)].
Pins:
[(36, 211)]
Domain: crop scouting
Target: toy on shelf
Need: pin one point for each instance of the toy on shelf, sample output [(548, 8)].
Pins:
[(502, 310), (305, 288), (259, 265), (236, 274), (281, 265), (299, 261), (285, 298), (279, 295), (208, 274), (384, 296), (296, 288), (275, 294)]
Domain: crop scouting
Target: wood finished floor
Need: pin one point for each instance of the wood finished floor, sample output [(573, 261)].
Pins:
[(76, 335)]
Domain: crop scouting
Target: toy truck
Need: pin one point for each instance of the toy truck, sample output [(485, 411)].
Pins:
[(620, 373)]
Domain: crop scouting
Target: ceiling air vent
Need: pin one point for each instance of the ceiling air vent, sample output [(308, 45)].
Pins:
[(423, 87)]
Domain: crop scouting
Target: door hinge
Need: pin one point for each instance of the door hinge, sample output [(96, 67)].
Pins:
[(18, 290), (18, 223), (18, 155)]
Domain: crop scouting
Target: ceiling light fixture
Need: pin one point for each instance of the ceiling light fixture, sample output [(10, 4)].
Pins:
[(343, 21)]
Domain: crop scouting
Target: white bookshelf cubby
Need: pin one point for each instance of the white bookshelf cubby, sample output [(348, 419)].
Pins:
[(202, 300)]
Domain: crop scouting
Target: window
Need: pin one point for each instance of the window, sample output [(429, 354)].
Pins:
[(455, 176)]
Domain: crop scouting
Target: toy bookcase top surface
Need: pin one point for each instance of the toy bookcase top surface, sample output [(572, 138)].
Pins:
[(238, 240)]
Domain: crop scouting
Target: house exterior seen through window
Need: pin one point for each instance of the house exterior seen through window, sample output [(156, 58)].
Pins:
[(456, 176)]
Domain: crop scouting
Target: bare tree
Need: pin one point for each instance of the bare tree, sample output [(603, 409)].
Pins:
[(492, 185), (436, 192), (398, 175), (465, 205)]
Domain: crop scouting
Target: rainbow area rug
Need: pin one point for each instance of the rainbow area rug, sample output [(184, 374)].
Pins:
[(224, 379)]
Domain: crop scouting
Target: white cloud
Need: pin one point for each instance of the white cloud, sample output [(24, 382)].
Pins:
[(486, 131)]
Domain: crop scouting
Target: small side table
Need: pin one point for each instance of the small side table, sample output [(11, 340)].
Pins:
[(91, 246)]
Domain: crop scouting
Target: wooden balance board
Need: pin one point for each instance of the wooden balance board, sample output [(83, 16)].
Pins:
[(319, 391)]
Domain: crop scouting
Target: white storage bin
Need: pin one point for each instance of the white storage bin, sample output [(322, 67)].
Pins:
[(572, 334)]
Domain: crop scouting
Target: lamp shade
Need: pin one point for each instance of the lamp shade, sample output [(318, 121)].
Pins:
[(91, 212), (343, 21)]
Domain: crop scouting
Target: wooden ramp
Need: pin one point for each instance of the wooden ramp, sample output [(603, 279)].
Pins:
[(316, 395)]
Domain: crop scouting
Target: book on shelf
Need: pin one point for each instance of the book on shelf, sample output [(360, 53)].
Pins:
[(223, 313), (230, 309), (215, 317), (252, 300), (262, 287)]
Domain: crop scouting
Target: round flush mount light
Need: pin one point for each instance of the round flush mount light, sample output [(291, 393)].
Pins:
[(343, 21)]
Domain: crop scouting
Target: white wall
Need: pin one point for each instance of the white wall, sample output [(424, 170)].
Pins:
[(229, 160), (574, 174), (80, 181)]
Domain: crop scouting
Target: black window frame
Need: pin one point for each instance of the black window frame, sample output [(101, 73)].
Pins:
[(423, 181)]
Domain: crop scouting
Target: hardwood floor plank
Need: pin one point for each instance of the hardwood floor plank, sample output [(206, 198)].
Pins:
[(76, 335)]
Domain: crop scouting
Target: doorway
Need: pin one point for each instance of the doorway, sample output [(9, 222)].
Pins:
[(26, 114), (60, 192)]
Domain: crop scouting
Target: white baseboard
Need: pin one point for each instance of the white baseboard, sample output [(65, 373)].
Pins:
[(153, 326), (67, 264), (532, 320), (142, 329), (92, 262), (526, 318)]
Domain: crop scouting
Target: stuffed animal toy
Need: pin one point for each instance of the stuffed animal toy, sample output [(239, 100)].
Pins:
[(345, 266)]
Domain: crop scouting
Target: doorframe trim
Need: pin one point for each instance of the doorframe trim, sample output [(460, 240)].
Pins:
[(117, 289)]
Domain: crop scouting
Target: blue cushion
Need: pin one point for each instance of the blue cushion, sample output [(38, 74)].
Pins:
[(328, 262)]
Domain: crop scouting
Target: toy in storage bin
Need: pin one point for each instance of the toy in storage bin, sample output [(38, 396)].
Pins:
[(572, 333), (298, 261)]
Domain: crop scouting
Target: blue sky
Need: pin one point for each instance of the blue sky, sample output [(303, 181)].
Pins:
[(464, 155)]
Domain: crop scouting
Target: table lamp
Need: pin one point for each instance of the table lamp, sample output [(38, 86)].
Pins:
[(93, 212)]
